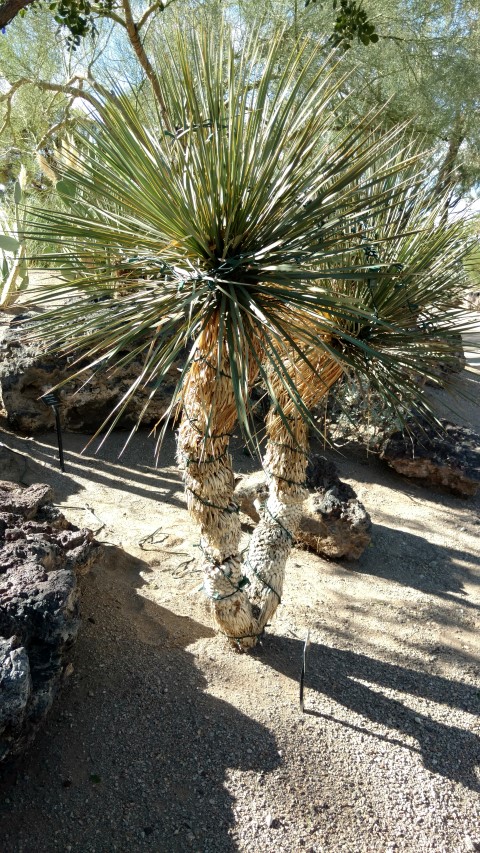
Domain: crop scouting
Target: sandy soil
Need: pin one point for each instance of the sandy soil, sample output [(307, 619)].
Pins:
[(165, 740)]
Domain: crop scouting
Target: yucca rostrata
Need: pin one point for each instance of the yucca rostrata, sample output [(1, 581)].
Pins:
[(241, 240)]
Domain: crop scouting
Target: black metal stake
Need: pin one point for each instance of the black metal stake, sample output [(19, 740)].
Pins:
[(53, 401), (306, 647)]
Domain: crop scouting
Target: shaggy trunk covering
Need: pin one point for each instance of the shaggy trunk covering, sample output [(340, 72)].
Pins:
[(209, 415), (285, 464), (242, 603)]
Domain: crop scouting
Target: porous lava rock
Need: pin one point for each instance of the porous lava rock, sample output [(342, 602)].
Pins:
[(448, 458), (27, 371), (335, 524), (14, 465), (40, 556)]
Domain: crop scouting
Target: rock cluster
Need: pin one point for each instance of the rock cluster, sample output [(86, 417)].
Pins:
[(335, 524), (27, 371), (40, 555), (448, 458)]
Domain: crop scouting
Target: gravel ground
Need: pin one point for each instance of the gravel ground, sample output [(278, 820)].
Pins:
[(164, 740)]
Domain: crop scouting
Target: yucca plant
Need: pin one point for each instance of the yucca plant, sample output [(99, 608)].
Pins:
[(239, 239), (420, 285)]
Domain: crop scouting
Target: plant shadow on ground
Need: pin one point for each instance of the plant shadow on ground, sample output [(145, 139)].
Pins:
[(145, 766), (126, 475), (37, 461), (415, 562), (337, 674)]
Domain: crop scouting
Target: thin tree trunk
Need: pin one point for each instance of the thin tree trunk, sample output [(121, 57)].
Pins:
[(137, 44), (447, 174), (209, 415)]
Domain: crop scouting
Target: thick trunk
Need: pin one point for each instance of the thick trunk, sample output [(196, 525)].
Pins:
[(243, 604), (285, 464), (209, 414)]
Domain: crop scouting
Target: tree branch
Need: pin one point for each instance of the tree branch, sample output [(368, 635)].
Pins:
[(135, 41), (104, 13), (447, 174), (151, 9), (8, 115), (157, 6), (64, 122), (73, 87), (10, 9)]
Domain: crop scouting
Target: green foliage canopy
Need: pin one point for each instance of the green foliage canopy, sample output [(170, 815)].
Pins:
[(257, 217)]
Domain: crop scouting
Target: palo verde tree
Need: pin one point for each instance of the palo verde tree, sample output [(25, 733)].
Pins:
[(424, 62), (242, 236), (79, 17)]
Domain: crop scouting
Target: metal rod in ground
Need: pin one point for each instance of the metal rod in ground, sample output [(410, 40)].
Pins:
[(59, 438), (51, 399)]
